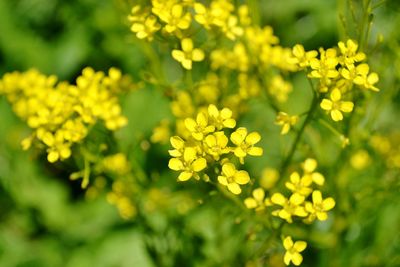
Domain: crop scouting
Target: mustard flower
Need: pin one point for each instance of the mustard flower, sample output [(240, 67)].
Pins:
[(245, 143), (188, 54), (221, 119), (290, 207), (300, 185), (286, 121), (189, 165), (143, 24), (199, 127), (301, 57), (336, 106), (216, 144), (293, 250), (175, 18), (319, 206), (349, 53), (257, 201), (232, 178)]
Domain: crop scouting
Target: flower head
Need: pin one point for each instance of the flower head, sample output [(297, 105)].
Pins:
[(188, 54), (293, 250), (232, 178)]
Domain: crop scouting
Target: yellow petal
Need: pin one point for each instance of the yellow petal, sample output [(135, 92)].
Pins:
[(229, 123), (295, 177), (318, 178), (229, 169), (322, 216), (296, 199), (336, 95), (53, 156), (199, 164), (184, 176), (242, 177), (253, 138), (328, 203), (234, 188), (317, 197), (239, 152), (175, 164), (310, 165), (222, 180), (187, 64), (213, 111), (197, 55), (288, 243), (373, 78), (300, 246), (255, 151), (287, 258), (297, 259), (177, 142), (326, 104), (189, 154), (226, 113), (238, 136), (178, 55), (346, 106), (259, 194), (190, 124), (336, 115), (250, 203), (278, 199), (187, 45)]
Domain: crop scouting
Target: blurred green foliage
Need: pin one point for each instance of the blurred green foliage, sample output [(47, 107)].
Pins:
[(44, 218)]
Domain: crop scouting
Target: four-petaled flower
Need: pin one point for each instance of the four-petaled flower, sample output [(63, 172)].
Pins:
[(232, 178), (199, 127), (190, 164), (221, 118), (319, 206), (245, 143), (336, 106), (188, 54), (290, 207), (293, 250)]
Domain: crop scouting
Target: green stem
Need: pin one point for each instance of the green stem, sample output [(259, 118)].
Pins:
[(288, 159)]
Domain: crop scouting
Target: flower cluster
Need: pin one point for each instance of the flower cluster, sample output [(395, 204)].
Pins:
[(206, 144), (62, 114), (338, 71), (301, 188)]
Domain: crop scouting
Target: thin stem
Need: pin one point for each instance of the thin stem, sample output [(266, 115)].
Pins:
[(299, 135)]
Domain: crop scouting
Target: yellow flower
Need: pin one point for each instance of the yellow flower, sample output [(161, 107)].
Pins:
[(293, 251), (290, 207), (221, 119), (143, 24), (335, 106), (199, 127), (349, 53), (175, 18), (216, 144), (190, 164), (299, 184), (188, 54), (245, 143), (232, 178), (301, 57), (319, 206), (279, 88), (286, 121), (256, 202), (362, 78)]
